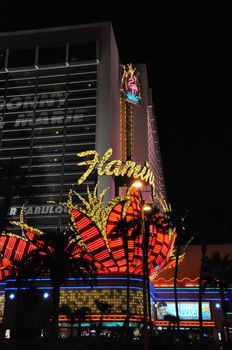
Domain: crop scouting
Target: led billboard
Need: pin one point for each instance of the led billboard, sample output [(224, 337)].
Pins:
[(187, 310)]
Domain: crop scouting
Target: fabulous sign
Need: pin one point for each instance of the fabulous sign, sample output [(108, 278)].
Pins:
[(39, 209), (115, 167)]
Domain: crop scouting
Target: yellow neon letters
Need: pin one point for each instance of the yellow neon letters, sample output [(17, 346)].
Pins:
[(114, 167)]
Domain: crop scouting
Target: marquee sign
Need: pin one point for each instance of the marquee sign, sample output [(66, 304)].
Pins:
[(130, 85), (187, 310), (115, 167)]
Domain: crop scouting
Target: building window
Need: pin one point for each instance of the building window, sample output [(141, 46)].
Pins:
[(51, 55), (2, 58), (82, 53), (47, 121), (21, 58)]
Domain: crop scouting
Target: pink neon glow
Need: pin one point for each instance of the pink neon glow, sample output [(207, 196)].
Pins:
[(132, 85)]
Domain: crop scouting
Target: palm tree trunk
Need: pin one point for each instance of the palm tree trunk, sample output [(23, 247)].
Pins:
[(143, 230), (203, 253), (55, 311), (100, 323), (71, 328), (149, 303), (79, 327), (222, 296), (175, 284), (146, 237), (17, 313), (200, 307), (127, 287)]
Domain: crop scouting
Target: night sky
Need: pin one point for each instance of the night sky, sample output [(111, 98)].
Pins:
[(187, 52)]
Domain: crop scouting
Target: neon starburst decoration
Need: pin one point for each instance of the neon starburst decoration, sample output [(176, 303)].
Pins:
[(93, 224), (131, 97)]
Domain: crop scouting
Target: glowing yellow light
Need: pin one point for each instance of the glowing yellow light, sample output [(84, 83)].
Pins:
[(137, 184), (147, 207)]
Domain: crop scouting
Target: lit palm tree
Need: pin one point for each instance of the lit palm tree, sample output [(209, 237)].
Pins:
[(217, 272), (58, 258)]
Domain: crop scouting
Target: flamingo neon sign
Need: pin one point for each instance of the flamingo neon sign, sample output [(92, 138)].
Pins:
[(130, 86)]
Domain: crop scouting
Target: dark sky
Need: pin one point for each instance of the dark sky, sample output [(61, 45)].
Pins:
[(186, 46)]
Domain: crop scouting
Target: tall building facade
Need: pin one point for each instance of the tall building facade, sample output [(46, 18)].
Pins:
[(59, 96), (64, 91)]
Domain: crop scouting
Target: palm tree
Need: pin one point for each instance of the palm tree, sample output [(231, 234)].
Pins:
[(217, 272), (203, 254), (29, 305), (13, 181), (72, 314), (33, 313), (104, 309), (173, 321), (57, 258), (176, 221), (81, 316), (156, 218), (66, 309), (121, 229)]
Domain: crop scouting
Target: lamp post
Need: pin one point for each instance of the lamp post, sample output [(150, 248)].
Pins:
[(144, 208)]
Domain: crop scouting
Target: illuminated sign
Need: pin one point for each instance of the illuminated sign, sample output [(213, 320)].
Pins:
[(93, 224), (115, 167), (130, 86), (187, 310), (39, 210), (22, 108)]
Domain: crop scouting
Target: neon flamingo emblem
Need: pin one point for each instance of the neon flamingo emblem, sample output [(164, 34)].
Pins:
[(132, 86)]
